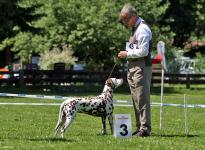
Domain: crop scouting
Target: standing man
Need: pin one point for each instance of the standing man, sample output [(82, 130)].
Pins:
[(139, 67)]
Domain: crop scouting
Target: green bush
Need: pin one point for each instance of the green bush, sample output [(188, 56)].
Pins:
[(200, 63), (56, 55)]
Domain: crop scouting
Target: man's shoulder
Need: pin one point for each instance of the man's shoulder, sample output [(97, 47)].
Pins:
[(143, 24), (144, 27)]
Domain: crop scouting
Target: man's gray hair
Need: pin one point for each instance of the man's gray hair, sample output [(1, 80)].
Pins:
[(129, 10)]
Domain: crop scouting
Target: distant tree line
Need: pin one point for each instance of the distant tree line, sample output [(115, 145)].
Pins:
[(91, 28)]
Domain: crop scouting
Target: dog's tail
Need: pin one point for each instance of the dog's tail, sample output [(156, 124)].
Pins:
[(60, 118)]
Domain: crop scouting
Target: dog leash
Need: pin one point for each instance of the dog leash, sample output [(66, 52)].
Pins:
[(116, 61), (112, 70)]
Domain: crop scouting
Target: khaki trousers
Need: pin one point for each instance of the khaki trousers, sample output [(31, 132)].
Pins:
[(139, 79)]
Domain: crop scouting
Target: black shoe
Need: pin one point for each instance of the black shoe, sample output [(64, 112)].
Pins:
[(142, 133), (134, 133)]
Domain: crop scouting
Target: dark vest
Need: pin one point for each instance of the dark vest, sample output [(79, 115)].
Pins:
[(148, 61)]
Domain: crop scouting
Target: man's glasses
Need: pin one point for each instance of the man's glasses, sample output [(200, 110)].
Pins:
[(125, 19)]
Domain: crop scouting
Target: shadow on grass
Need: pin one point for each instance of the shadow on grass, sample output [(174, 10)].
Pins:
[(85, 90), (46, 139), (175, 135), (52, 139), (103, 135)]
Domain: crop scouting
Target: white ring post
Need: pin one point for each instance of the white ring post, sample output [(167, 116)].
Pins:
[(162, 92), (161, 51), (185, 115)]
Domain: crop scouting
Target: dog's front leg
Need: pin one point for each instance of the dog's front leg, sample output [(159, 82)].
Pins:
[(110, 119), (103, 124)]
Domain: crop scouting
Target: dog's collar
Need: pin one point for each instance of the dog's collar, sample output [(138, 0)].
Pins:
[(113, 86)]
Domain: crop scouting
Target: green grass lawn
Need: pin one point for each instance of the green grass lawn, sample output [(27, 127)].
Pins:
[(31, 127)]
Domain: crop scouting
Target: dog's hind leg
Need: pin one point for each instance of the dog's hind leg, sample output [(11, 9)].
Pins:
[(57, 128), (110, 119), (61, 120), (103, 124), (69, 119), (60, 123)]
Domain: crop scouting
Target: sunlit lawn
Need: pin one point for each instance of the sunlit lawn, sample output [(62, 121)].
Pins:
[(31, 127)]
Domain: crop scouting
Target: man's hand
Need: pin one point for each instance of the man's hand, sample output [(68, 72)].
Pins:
[(122, 54)]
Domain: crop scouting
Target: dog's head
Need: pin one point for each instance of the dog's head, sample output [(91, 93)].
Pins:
[(113, 82)]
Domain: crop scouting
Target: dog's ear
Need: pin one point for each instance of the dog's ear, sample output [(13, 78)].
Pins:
[(109, 82)]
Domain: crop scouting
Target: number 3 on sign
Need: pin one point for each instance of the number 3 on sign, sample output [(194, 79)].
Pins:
[(124, 128), (122, 125)]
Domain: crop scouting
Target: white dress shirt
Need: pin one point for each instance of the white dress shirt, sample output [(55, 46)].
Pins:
[(141, 38)]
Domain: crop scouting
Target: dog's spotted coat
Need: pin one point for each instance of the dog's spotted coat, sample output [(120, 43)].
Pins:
[(101, 106)]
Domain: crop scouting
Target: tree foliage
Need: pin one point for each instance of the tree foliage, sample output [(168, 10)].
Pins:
[(186, 18), (15, 18), (91, 27), (200, 63)]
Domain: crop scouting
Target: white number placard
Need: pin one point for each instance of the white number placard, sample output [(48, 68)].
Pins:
[(130, 46), (122, 125)]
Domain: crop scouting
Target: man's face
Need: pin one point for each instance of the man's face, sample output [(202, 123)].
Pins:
[(129, 20)]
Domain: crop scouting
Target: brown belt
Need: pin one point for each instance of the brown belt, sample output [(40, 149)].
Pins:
[(135, 59)]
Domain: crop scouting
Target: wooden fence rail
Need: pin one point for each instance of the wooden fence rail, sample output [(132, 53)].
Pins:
[(42, 78)]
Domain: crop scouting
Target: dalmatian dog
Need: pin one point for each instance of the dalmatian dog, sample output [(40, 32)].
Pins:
[(101, 106)]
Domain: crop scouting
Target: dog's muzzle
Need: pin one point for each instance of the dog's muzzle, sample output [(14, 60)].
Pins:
[(117, 82)]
